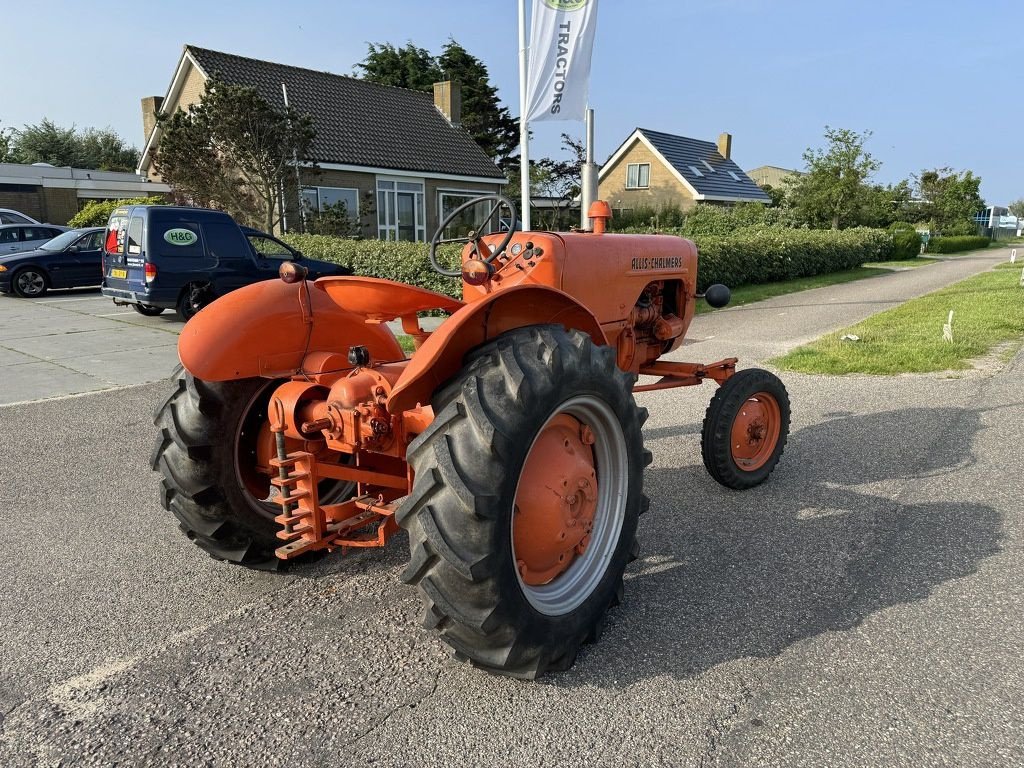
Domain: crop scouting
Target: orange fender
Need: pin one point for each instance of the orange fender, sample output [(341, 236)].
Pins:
[(267, 328), (441, 355)]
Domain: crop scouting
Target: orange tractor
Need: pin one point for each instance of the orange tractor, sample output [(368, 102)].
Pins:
[(508, 445)]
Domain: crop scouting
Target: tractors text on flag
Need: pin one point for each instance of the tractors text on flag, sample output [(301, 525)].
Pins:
[(561, 46)]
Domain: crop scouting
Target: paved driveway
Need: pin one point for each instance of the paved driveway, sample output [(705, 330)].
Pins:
[(864, 607), (78, 341)]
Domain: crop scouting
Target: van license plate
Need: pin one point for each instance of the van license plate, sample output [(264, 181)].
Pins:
[(120, 274)]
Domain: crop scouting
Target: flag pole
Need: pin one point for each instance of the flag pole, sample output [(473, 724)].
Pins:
[(524, 129)]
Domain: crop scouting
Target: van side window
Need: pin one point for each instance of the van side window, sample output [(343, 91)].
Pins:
[(225, 241), (176, 239), (135, 236)]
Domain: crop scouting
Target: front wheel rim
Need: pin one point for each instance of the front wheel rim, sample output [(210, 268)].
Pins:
[(595, 502), (31, 283), (755, 431)]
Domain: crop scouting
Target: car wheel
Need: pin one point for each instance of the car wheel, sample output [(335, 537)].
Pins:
[(193, 298), (147, 309), (29, 283)]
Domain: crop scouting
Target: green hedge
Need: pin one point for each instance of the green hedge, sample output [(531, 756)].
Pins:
[(957, 243), (401, 262), (750, 256), (774, 253), (96, 212)]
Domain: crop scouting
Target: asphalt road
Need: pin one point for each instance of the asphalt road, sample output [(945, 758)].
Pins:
[(864, 607)]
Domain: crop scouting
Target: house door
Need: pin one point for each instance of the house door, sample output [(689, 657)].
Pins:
[(400, 210), (407, 216)]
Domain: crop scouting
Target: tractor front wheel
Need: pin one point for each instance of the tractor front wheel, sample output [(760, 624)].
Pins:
[(523, 513), (745, 429)]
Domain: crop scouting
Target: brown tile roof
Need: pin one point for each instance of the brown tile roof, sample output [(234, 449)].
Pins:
[(359, 122)]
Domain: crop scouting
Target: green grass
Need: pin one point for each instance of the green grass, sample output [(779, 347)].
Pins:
[(405, 342), (920, 261), (1008, 265), (988, 310), (748, 294)]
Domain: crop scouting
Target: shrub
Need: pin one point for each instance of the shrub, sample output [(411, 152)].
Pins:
[(751, 256), (401, 262), (906, 243), (772, 254), (96, 212), (957, 243)]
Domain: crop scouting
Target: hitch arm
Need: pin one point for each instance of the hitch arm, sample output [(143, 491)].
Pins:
[(686, 374)]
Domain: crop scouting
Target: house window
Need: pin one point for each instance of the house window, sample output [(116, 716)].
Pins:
[(401, 213), (734, 176), (469, 218), (695, 171), (638, 175), (319, 198), (707, 165)]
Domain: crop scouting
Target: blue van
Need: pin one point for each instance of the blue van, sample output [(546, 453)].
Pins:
[(158, 257)]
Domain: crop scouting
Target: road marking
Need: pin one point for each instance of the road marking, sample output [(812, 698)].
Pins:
[(67, 301), (115, 314), (79, 394)]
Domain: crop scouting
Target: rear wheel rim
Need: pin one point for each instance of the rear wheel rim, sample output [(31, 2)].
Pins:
[(31, 283), (755, 431), (558, 499), (254, 484)]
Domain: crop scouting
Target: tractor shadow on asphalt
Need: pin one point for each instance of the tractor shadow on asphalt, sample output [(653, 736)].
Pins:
[(727, 575)]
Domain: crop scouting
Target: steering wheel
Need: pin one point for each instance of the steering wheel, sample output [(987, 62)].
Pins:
[(473, 237)]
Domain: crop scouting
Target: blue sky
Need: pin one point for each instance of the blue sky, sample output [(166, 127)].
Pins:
[(934, 80)]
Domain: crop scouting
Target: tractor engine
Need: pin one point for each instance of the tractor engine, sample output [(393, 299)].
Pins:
[(654, 326)]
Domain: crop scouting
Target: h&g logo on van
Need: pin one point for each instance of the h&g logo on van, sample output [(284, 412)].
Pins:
[(180, 236)]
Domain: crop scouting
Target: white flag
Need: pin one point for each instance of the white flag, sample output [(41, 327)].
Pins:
[(561, 45)]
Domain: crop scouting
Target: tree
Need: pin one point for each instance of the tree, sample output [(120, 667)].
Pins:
[(47, 142), (234, 150), (777, 195), (1016, 208), (483, 117), (406, 67), (887, 204), (951, 199), (558, 180), (6, 134), (834, 188)]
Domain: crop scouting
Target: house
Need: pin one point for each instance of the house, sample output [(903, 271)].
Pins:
[(397, 158), (53, 195), (772, 175), (651, 168)]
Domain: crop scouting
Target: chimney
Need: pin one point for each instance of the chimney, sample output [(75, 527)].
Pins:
[(150, 106), (725, 145), (448, 100)]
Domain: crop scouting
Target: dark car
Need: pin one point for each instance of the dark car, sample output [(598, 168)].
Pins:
[(69, 260), (158, 257)]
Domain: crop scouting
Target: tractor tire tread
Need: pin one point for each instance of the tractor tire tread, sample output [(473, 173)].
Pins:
[(716, 430), (192, 456), (460, 546)]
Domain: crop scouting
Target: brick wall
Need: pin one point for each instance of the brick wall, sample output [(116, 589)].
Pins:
[(28, 202), (665, 188), (61, 205)]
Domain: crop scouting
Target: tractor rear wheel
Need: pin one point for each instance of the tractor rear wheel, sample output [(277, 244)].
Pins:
[(213, 439), (523, 513), (745, 429)]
